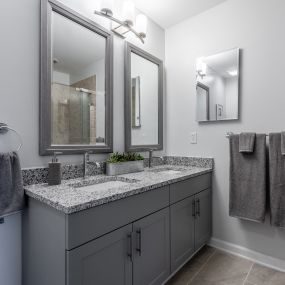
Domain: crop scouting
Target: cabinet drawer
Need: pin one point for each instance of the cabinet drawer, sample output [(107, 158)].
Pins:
[(86, 225), (189, 187)]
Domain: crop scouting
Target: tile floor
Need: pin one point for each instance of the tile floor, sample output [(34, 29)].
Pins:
[(215, 267)]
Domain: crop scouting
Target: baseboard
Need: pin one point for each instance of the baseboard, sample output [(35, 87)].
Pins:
[(244, 252)]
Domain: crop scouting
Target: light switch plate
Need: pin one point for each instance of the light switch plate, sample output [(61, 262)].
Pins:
[(193, 139)]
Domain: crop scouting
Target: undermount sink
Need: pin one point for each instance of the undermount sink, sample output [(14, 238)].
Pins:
[(103, 183), (166, 170)]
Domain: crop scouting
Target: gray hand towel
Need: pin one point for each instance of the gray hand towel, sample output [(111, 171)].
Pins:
[(248, 180), (246, 142), (11, 184), (277, 181), (283, 143)]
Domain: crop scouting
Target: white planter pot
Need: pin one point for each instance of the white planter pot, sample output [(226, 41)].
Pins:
[(124, 167)]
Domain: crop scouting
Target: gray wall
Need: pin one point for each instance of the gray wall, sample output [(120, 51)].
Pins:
[(256, 27), (19, 98)]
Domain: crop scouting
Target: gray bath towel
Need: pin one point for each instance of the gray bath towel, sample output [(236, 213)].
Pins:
[(11, 184), (248, 180), (283, 143), (277, 180), (246, 142)]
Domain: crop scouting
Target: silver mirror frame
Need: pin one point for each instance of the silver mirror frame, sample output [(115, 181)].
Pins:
[(45, 144), (129, 49)]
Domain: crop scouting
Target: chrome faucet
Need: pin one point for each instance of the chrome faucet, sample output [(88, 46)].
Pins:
[(150, 151), (86, 160)]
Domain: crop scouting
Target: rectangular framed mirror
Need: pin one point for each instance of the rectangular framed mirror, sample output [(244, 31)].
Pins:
[(143, 100), (76, 83), (217, 87)]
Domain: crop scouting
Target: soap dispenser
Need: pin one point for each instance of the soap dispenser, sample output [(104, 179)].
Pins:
[(54, 170)]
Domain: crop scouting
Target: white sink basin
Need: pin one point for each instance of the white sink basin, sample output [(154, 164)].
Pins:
[(100, 184), (166, 170), (103, 186)]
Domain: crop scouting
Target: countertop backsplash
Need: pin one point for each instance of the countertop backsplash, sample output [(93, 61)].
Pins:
[(71, 171)]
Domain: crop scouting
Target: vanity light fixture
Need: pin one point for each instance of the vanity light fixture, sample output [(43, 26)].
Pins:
[(137, 26)]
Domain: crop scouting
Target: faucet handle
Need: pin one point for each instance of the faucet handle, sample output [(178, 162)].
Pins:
[(86, 155)]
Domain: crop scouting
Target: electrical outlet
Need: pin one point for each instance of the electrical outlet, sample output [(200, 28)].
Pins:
[(193, 139)]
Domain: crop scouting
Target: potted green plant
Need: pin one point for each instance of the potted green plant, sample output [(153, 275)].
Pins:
[(122, 163)]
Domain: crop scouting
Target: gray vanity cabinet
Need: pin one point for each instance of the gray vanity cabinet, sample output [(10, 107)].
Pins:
[(104, 261), (138, 252), (152, 255), (182, 219), (190, 218), (137, 240), (203, 221)]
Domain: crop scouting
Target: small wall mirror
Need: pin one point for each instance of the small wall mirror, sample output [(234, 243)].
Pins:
[(76, 83), (143, 100), (217, 87)]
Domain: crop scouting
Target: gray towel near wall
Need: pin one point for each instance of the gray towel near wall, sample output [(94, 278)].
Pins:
[(11, 184), (248, 180), (277, 180), (246, 142)]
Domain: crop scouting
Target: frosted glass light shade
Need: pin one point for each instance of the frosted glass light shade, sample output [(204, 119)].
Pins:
[(107, 7), (128, 12), (141, 25)]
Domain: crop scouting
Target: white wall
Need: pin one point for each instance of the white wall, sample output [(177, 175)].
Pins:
[(231, 97), (256, 27), (61, 78), (19, 96)]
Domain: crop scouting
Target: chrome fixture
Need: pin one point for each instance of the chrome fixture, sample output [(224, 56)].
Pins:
[(127, 25), (150, 151), (228, 134), (4, 128), (86, 160)]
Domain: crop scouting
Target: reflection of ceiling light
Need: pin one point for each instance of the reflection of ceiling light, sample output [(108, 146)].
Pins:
[(201, 67), (233, 72), (126, 25)]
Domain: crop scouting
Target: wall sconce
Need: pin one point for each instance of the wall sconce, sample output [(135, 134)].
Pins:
[(201, 68), (137, 27)]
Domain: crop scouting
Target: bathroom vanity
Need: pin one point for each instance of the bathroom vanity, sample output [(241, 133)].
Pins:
[(137, 228)]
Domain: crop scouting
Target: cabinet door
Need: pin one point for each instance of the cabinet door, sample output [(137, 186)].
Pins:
[(151, 264), (182, 220), (203, 222), (104, 261)]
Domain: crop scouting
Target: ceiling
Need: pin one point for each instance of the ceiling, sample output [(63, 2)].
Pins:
[(167, 13), (223, 62)]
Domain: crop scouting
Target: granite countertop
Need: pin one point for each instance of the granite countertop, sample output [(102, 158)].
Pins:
[(70, 198)]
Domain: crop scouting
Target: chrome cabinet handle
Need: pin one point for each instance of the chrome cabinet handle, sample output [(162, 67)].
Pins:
[(139, 242), (193, 209), (198, 207), (130, 246)]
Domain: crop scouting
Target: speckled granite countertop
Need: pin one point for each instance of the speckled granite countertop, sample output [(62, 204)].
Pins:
[(70, 198)]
